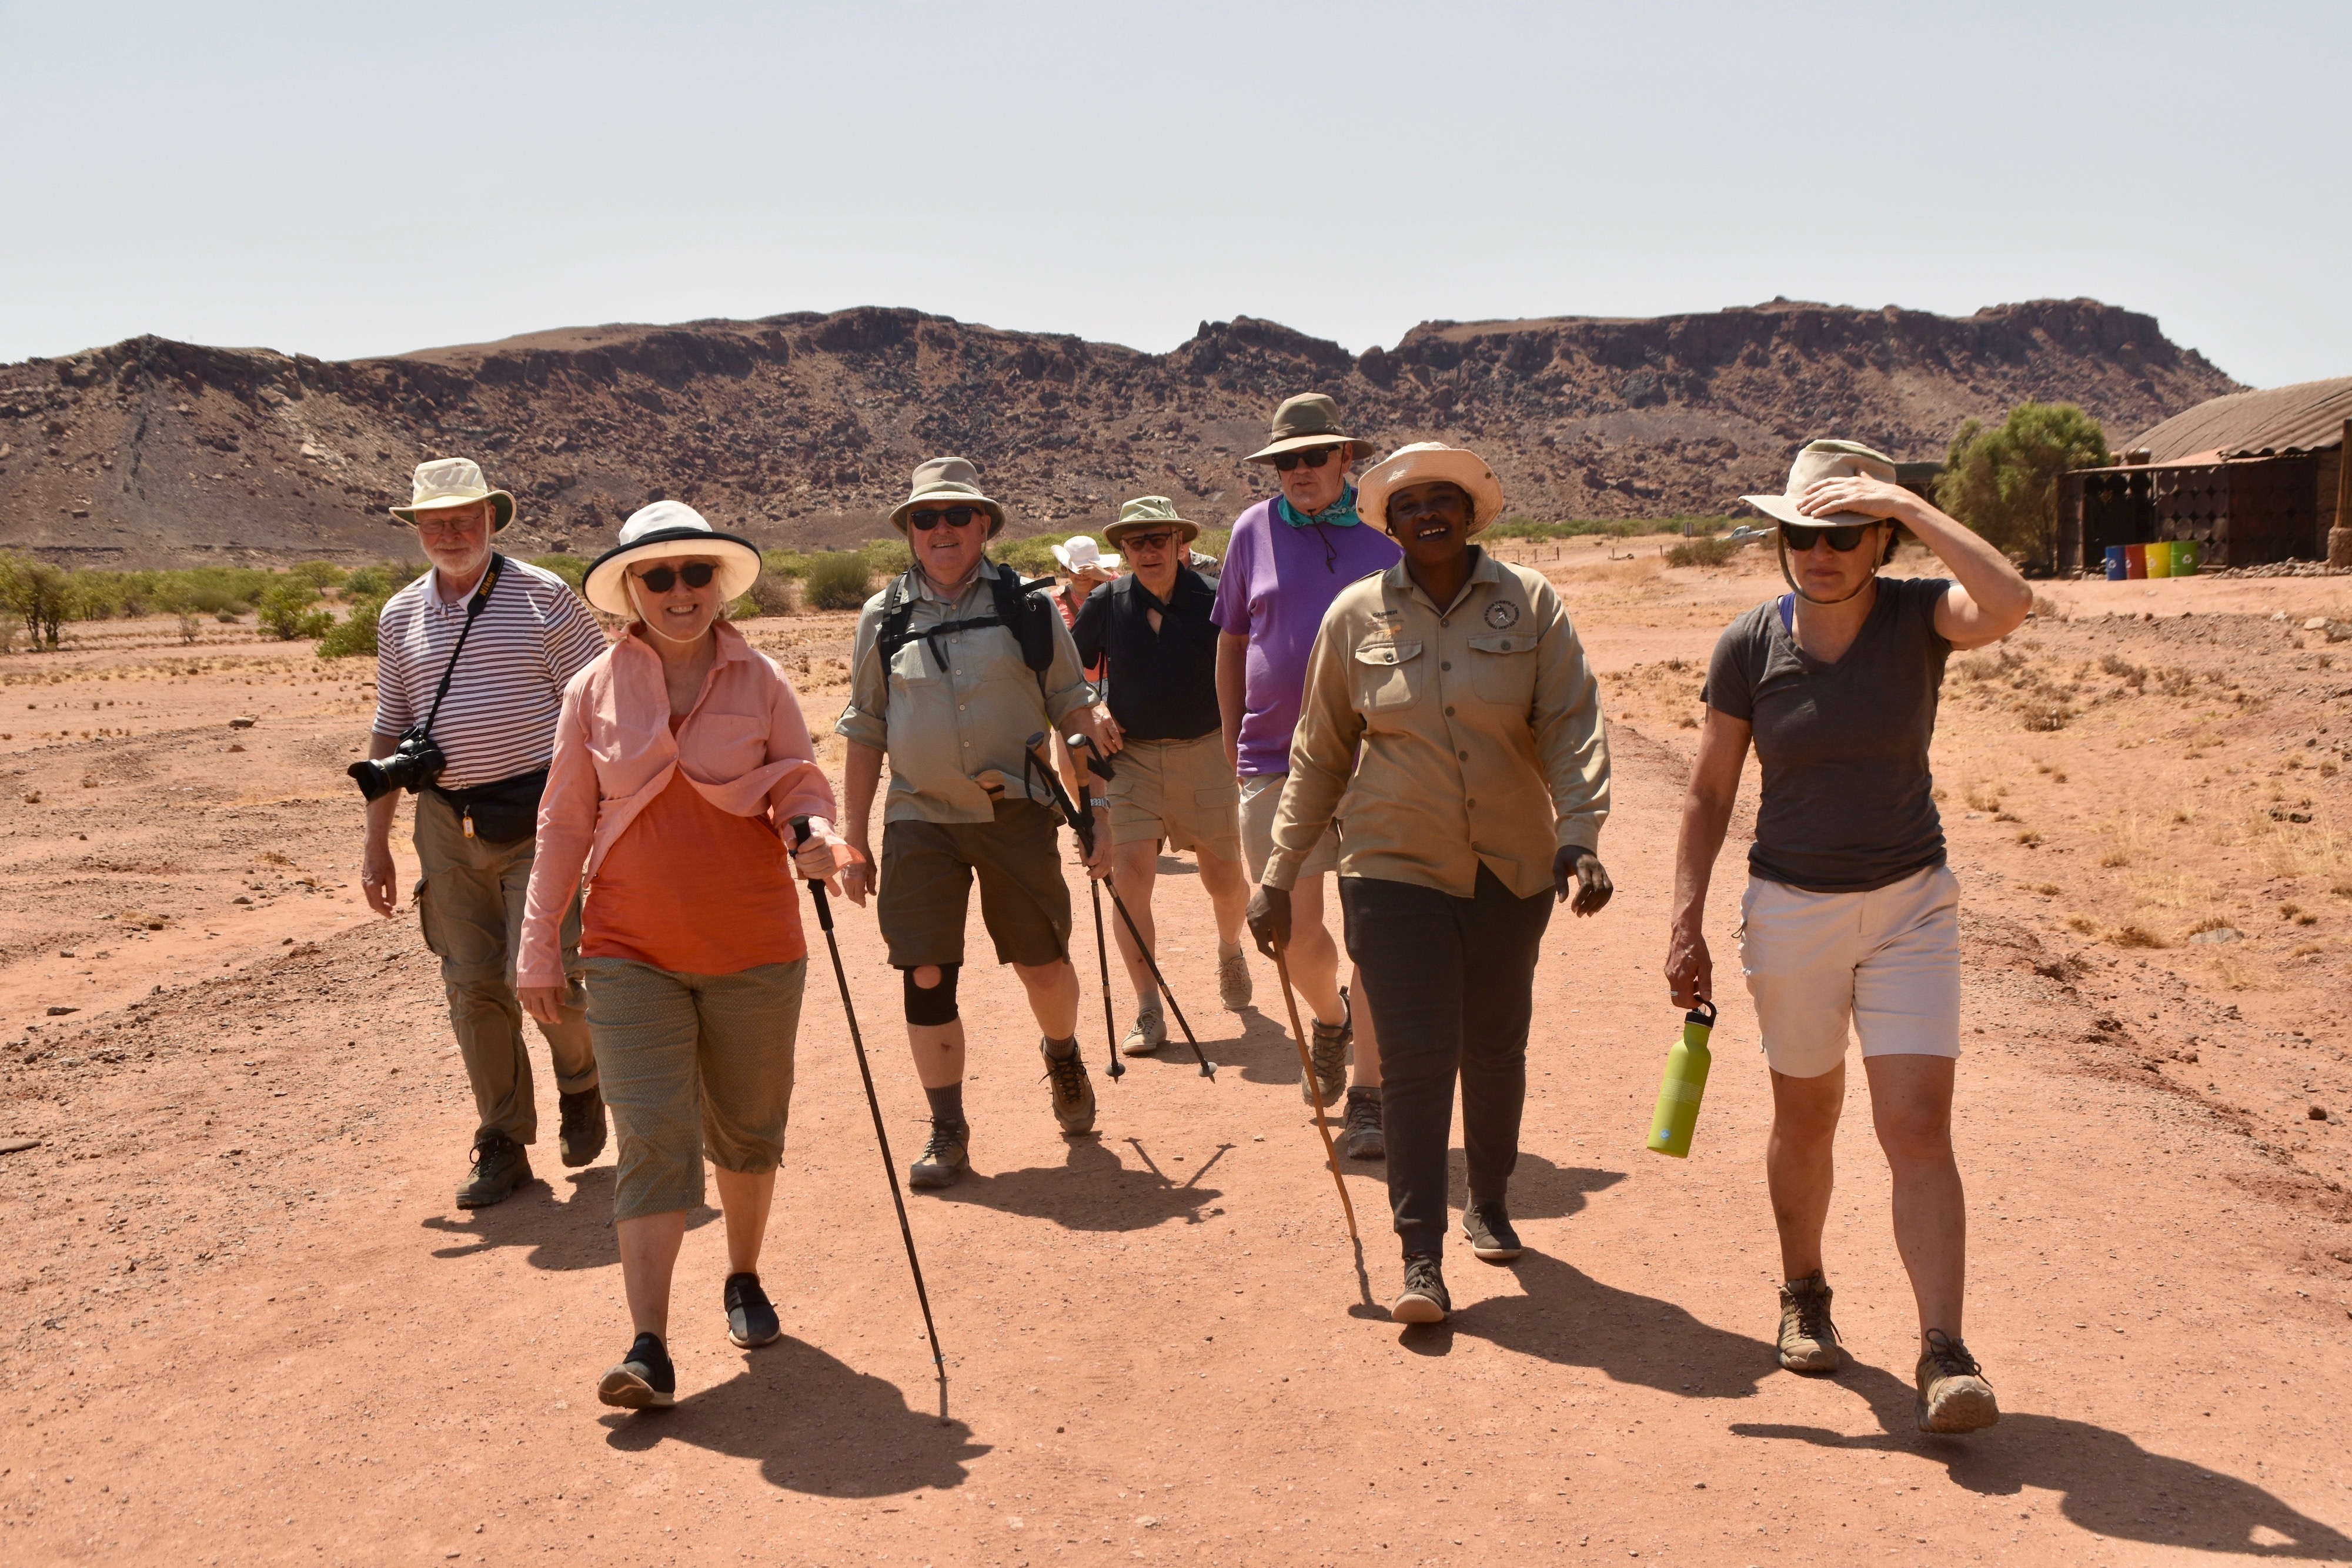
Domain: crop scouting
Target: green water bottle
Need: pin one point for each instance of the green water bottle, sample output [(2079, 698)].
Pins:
[(1677, 1117)]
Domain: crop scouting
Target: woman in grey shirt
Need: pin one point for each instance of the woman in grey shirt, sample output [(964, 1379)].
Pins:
[(1850, 917)]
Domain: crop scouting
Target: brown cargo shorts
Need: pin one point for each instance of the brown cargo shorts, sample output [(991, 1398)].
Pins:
[(1179, 790), (926, 874)]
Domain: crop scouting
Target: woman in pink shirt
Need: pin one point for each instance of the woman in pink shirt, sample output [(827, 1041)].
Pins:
[(681, 760)]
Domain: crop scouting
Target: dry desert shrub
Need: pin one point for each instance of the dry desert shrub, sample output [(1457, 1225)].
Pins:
[(2131, 674), (2082, 923), (2048, 608), (2135, 936), (2044, 714), (1984, 795)]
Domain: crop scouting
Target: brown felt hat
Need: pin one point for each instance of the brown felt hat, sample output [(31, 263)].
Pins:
[(1310, 419)]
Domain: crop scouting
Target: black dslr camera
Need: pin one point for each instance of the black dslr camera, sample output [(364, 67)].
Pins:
[(414, 763)]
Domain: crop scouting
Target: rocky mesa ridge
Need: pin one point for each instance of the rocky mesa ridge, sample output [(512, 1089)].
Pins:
[(800, 429)]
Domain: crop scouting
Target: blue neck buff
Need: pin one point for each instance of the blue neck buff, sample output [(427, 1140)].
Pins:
[(1339, 514)]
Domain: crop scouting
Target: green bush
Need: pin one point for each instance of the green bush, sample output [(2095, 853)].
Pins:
[(2003, 483), (285, 611), (784, 563), (380, 579), (839, 580), (355, 634), (320, 574), (42, 596), (769, 595), (570, 568), (1704, 550)]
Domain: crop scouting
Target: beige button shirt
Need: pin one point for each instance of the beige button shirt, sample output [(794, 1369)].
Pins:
[(1480, 732), (942, 728)]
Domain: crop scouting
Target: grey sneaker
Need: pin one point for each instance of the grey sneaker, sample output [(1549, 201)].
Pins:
[(946, 1157), (750, 1316), (581, 1136), (499, 1167), (1150, 1033), (1363, 1137), (1424, 1299), (1953, 1394), (1490, 1233), (1074, 1091), (1808, 1341), (645, 1379), (1234, 987)]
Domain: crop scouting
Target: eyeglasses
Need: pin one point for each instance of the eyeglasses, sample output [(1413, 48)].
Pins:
[(1313, 458), (1843, 539), (429, 524), (662, 579), (924, 521), (1159, 540)]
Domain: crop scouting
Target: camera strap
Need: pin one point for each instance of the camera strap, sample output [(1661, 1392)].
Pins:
[(479, 602)]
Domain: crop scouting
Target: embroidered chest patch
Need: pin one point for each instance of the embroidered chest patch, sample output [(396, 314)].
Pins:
[(1502, 615)]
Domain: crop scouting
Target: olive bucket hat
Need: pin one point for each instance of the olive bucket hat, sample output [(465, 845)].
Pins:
[(945, 482), (443, 482), (1310, 419), (1150, 512)]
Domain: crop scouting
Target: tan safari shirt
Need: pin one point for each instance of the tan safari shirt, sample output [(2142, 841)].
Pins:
[(1480, 732), (942, 729)]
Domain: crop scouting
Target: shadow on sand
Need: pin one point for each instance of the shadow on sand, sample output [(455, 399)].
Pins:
[(1093, 1189), (2106, 1482), (815, 1423), (563, 1231)]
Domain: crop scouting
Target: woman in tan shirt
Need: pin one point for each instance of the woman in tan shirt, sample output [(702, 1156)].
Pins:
[(1451, 724)]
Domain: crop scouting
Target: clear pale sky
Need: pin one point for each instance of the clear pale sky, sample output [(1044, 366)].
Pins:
[(351, 180)]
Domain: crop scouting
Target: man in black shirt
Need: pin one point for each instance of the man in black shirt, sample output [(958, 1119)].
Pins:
[(1152, 627)]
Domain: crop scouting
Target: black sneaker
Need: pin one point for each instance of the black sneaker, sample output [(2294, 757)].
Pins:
[(1074, 1091), (644, 1380), (750, 1316), (1490, 1233), (1363, 1137), (1424, 1299), (580, 1135), (947, 1157), (499, 1167)]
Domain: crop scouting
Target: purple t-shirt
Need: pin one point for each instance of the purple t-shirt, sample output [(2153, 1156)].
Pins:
[(1277, 582)]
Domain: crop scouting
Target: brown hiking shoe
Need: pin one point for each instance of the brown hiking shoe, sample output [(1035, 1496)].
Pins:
[(1363, 1137), (1234, 987), (1808, 1341), (1953, 1394), (945, 1158), (1074, 1091), (499, 1167)]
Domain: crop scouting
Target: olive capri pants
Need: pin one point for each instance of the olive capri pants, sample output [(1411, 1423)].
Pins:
[(692, 1065)]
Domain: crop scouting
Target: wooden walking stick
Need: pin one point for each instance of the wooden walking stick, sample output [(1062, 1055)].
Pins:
[(1306, 1065)]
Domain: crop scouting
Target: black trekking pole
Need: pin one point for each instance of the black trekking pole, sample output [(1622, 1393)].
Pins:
[(1098, 764), (882, 1137), (1083, 824)]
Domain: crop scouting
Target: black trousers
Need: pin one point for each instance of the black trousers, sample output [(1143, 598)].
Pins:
[(1452, 987)]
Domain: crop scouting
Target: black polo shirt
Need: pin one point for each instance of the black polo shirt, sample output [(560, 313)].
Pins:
[(1163, 683)]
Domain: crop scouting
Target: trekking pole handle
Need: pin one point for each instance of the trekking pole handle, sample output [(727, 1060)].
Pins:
[(1097, 763), (815, 884)]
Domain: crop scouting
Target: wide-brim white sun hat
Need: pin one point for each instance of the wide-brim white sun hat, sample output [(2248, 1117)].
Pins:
[(1080, 553), (1422, 462), (669, 529), (444, 481), (1825, 460)]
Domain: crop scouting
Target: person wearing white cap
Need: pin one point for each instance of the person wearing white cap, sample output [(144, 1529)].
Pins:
[(471, 660), (682, 764), (1085, 565), (1851, 918)]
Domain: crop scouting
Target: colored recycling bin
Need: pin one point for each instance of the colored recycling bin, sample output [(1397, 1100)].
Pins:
[(2186, 557), (2118, 566), (2159, 558), (2135, 560)]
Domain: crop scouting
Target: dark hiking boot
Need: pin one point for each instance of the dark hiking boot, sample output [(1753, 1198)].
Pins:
[(1328, 1047), (750, 1316), (1074, 1091), (1490, 1233), (1234, 987), (644, 1380), (945, 1158), (580, 1137), (1808, 1341), (1953, 1394), (1363, 1138), (499, 1167), (1424, 1299)]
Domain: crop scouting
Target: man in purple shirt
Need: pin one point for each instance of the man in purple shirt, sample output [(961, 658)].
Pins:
[(1290, 557)]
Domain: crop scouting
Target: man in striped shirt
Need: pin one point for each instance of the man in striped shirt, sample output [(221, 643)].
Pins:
[(474, 822)]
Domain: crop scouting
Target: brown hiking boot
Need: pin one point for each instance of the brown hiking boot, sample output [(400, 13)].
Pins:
[(1363, 1137), (945, 1158), (1808, 1341), (1074, 1091), (499, 1167), (1953, 1394)]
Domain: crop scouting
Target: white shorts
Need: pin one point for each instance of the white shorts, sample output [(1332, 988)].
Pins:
[(1887, 962), (1261, 797)]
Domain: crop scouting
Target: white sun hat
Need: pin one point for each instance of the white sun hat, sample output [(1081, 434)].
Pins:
[(669, 529), (1082, 554), (1421, 463), (454, 482)]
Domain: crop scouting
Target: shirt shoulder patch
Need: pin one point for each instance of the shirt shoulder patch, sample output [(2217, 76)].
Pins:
[(1502, 615)]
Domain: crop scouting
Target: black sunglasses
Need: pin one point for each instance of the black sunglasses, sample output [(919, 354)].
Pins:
[(1844, 538), (924, 521), (1313, 458), (662, 579), (1159, 540)]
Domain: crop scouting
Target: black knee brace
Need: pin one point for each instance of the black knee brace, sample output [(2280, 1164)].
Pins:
[(936, 1005)]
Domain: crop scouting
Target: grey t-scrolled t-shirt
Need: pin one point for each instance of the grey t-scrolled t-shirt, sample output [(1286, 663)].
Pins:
[(1848, 800)]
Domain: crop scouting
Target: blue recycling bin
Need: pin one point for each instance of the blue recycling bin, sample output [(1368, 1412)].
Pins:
[(2118, 566)]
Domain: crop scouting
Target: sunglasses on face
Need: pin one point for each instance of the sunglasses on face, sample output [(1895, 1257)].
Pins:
[(924, 521), (662, 579), (1843, 539), (1149, 541), (1313, 458)]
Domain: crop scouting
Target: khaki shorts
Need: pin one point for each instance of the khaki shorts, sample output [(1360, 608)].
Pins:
[(1261, 797), (927, 871), (692, 1065), (1887, 962), (1179, 790)]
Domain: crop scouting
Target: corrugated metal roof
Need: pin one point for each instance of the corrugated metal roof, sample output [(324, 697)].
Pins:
[(2299, 418)]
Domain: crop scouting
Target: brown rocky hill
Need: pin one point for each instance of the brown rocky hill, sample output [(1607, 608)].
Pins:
[(800, 429)]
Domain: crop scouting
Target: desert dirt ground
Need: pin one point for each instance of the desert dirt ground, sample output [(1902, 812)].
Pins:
[(246, 1323)]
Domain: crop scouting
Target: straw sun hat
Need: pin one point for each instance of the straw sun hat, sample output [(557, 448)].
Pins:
[(668, 530), (945, 482), (1421, 464), (1825, 460), (454, 482)]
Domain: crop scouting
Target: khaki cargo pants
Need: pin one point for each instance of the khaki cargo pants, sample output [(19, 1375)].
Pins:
[(470, 900)]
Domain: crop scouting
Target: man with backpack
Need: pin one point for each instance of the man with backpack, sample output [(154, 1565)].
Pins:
[(958, 666)]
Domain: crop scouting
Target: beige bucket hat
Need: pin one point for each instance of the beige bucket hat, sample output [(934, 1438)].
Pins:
[(1310, 419), (668, 528), (1080, 553), (1148, 512), (454, 482), (948, 482), (1422, 462), (1824, 460)]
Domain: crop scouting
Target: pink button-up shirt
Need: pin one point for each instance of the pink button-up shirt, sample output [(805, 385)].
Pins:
[(744, 746)]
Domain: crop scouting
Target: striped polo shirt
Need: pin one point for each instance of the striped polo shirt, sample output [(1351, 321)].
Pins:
[(499, 718)]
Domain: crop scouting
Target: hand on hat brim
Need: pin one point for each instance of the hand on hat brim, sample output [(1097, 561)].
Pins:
[(1855, 495)]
